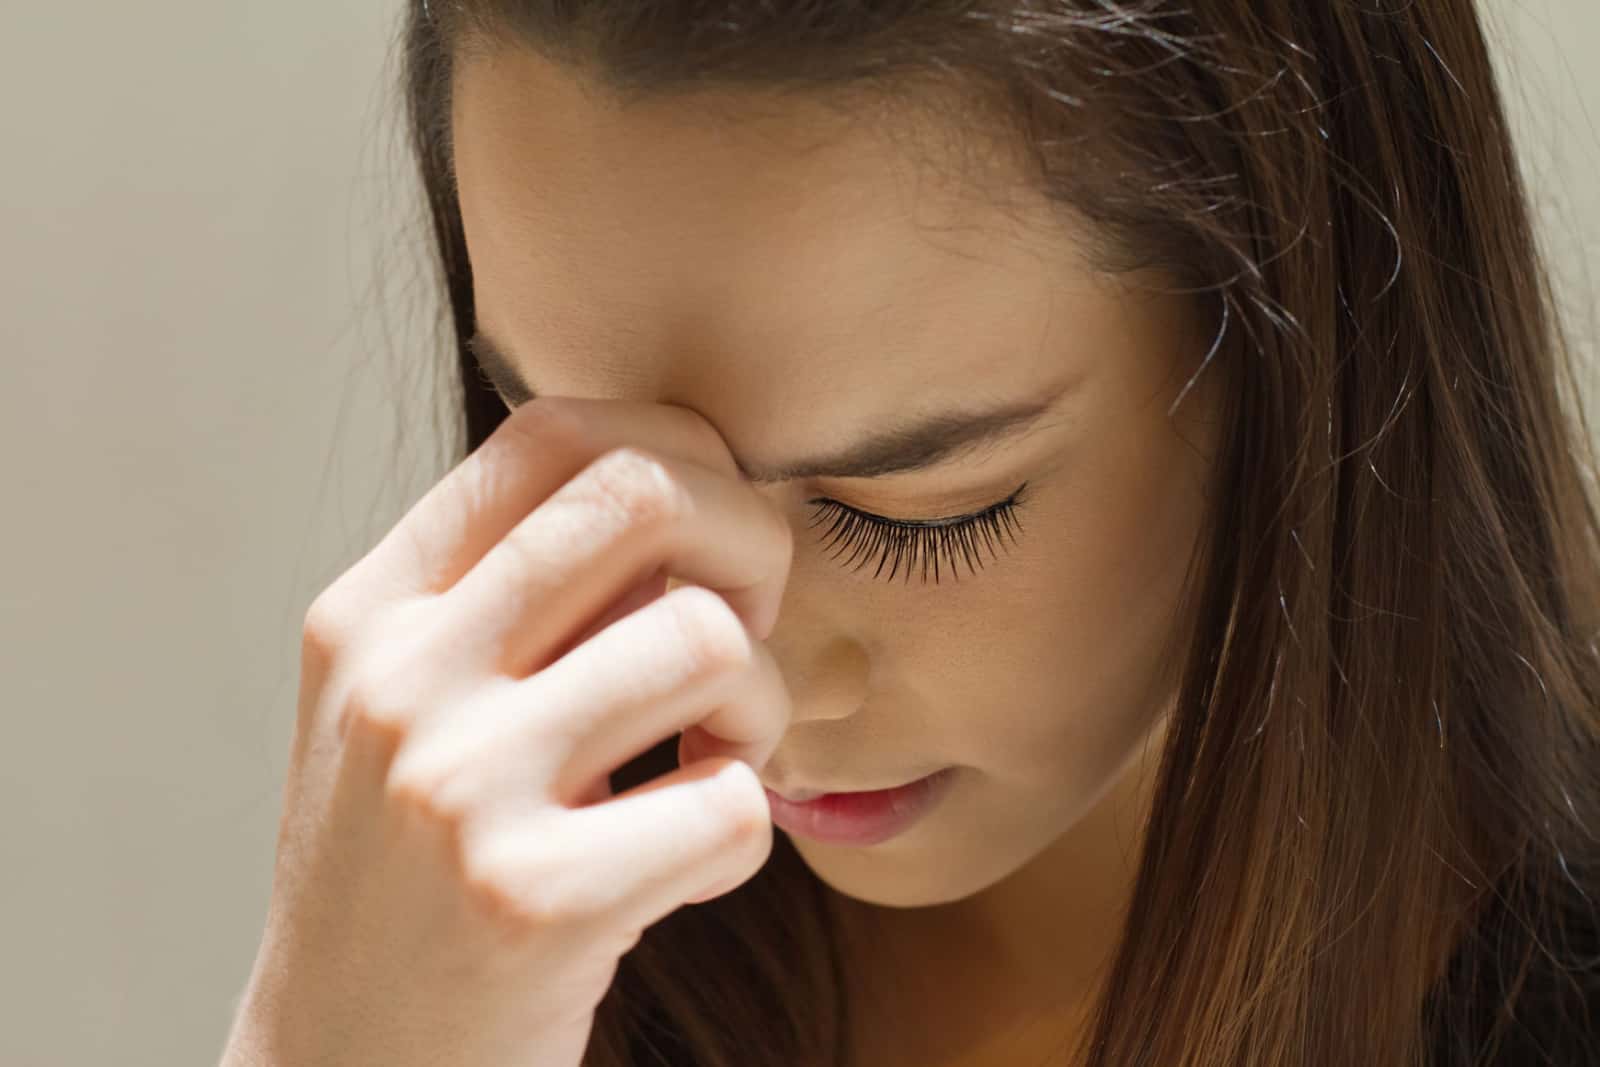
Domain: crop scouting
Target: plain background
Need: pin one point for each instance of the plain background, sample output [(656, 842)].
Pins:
[(218, 353)]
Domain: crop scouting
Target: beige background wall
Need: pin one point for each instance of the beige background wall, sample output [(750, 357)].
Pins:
[(212, 399)]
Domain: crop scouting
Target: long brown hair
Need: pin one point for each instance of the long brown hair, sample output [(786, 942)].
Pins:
[(1374, 837)]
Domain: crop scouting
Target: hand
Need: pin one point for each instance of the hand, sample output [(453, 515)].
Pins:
[(455, 881)]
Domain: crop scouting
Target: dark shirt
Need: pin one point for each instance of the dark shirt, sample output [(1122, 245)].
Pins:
[(1521, 993)]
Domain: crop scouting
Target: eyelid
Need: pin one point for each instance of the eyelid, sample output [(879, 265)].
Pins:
[(888, 520), (932, 514)]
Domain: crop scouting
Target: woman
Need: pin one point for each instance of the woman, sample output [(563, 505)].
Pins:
[(1139, 448)]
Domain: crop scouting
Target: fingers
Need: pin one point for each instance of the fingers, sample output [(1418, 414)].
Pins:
[(684, 660), (634, 859), (626, 517), (539, 446)]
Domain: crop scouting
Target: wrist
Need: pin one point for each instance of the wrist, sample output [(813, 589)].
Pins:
[(255, 1035)]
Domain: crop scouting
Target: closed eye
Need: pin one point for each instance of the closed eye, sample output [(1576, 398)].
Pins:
[(917, 543)]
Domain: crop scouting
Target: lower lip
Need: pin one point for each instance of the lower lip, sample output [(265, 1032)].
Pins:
[(861, 818)]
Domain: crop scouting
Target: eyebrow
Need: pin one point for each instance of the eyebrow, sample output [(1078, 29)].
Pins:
[(919, 444)]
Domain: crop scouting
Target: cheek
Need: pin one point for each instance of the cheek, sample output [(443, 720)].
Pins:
[(1061, 668)]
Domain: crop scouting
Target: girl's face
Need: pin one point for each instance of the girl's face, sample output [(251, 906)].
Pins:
[(803, 282)]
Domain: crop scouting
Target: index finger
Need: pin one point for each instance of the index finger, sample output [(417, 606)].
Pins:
[(540, 446)]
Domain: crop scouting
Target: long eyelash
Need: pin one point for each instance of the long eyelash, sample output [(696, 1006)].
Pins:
[(906, 540)]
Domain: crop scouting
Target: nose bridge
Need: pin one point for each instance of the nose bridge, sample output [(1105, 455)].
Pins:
[(826, 671)]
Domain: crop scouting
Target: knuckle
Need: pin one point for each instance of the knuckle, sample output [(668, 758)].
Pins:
[(489, 896), (710, 632), (419, 803), (380, 704), (639, 488), (422, 791), (327, 626), (522, 895), (389, 676), (549, 906)]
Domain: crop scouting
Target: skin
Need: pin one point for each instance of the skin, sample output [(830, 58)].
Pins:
[(799, 278)]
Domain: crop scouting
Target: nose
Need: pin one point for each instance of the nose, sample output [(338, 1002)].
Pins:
[(826, 670), (826, 674), (826, 677)]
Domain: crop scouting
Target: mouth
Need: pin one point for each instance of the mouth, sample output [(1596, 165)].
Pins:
[(858, 817), (802, 794)]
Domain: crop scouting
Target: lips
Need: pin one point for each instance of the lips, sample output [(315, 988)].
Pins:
[(799, 795), (861, 817)]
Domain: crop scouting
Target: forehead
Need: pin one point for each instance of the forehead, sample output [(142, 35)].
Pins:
[(778, 255)]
